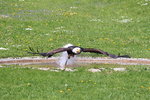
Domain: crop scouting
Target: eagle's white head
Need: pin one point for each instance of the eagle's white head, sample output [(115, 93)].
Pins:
[(76, 50)]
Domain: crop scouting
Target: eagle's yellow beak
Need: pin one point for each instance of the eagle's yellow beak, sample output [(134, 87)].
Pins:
[(78, 50)]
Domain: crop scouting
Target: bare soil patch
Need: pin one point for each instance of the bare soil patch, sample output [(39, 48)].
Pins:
[(85, 60)]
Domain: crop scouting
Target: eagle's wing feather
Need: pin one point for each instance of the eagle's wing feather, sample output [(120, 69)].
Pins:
[(59, 50), (92, 50), (50, 53)]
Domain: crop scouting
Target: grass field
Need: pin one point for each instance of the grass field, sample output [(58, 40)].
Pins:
[(115, 26), (30, 84)]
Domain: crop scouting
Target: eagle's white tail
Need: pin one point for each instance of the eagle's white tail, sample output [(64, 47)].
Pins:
[(64, 57), (67, 45)]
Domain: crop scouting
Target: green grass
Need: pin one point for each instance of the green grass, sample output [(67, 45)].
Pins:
[(116, 26), (30, 84), (87, 23)]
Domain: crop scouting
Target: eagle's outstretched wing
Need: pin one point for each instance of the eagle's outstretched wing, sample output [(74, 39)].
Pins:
[(92, 50), (50, 53)]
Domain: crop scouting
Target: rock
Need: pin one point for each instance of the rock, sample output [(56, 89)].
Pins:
[(43, 68), (94, 70), (119, 69)]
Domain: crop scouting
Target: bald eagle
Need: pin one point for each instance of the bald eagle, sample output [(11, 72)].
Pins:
[(76, 50)]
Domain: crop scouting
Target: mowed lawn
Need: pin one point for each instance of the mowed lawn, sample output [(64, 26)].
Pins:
[(31, 84), (115, 26)]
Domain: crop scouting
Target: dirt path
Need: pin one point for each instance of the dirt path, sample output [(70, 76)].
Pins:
[(39, 60)]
